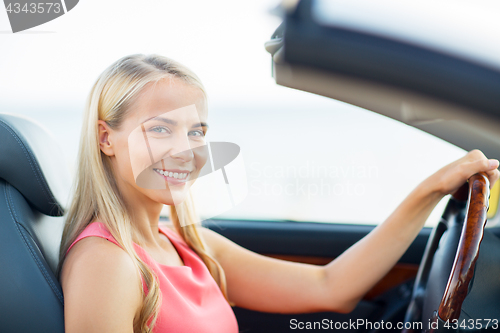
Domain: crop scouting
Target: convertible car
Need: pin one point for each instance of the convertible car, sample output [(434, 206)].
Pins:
[(419, 63)]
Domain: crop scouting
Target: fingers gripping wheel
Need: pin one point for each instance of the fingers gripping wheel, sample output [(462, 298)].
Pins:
[(473, 197)]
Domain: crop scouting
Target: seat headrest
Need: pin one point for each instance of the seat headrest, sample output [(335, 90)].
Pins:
[(33, 163)]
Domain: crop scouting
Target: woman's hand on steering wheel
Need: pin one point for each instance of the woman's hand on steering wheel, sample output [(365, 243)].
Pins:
[(452, 176)]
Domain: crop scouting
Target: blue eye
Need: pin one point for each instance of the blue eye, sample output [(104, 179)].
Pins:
[(199, 133), (159, 129)]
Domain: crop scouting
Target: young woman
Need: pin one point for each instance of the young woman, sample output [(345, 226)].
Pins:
[(123, 272)]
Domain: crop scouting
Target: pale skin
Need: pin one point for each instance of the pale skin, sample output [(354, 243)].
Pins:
[(102, 288)]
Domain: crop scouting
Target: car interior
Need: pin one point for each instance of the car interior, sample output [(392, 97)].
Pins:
[(445, 95), (335, 50), (35, 188)]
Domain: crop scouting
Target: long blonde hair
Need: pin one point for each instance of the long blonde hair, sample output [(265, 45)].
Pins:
[(95, 192)]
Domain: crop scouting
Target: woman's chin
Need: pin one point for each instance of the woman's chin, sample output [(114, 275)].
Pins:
[(167, 193)]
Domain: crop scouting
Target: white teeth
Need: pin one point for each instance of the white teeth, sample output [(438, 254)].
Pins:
[(175, 175)]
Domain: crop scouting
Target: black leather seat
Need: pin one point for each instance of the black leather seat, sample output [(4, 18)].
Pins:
[(34, 188)]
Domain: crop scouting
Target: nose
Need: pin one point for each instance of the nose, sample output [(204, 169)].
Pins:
[(181, 149)]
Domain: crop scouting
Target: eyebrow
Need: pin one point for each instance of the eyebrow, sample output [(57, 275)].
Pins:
[(173, 122)]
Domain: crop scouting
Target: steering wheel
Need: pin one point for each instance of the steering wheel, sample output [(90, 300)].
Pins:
[(446, 272)]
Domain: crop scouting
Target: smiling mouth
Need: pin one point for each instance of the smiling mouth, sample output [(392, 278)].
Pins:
[(173, 174), (174, 177)]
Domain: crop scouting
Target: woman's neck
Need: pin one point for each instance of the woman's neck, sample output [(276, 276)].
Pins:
[(144, 214)]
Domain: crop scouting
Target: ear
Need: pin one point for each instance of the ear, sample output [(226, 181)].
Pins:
[(104, 138)]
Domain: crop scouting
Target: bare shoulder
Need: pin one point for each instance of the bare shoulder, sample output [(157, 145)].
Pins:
[(95, 254), (101, 287)]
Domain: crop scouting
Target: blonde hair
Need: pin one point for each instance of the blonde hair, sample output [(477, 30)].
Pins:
[(95, 192)]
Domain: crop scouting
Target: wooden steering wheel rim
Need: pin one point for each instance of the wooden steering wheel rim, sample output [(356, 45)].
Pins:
[(462, 271)]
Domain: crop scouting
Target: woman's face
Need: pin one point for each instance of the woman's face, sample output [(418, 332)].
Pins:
[(160, 148)]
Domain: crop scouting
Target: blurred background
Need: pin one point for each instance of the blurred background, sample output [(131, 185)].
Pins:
[(307, 158)]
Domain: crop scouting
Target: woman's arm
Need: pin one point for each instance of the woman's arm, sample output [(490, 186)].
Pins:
[(361, 266), (366, 262), (267, 284)]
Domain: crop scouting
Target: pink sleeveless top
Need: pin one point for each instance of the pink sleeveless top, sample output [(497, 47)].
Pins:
[(191, 299)]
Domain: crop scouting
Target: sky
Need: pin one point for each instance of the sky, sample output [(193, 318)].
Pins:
[(221, 41)]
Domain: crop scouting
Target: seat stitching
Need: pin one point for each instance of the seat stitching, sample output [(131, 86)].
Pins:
[(13, 214)]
